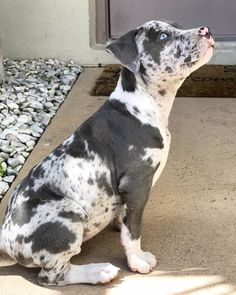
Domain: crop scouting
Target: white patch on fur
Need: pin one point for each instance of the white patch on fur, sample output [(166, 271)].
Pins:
[(131, 147), (139, 99), (138, 260), (158, 156), (69, 140)]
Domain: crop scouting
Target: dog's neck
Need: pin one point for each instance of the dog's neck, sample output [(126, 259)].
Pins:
[(150, 101)]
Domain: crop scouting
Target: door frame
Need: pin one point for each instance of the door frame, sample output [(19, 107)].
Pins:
[(99, 22)]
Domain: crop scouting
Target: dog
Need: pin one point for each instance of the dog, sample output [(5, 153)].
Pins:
[(105, 170)]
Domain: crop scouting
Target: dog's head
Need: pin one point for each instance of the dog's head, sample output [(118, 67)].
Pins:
[(161, 49)]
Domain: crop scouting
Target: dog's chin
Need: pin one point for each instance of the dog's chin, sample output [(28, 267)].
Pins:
[(194, 65)]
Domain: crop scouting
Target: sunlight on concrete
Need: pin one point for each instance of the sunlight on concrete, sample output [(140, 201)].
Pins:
[(172, 283)]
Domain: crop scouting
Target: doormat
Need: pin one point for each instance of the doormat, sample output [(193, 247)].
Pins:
[(208, 81)]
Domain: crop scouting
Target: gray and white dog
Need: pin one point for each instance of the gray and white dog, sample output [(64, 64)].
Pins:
[(105, 170)]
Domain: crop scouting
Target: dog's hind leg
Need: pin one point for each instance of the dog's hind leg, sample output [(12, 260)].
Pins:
[(57, 269), (93, 273), (97, 273)]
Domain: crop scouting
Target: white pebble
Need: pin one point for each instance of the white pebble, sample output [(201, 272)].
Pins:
[(12, 105), (3, 187), (9, 179), (31, 96), (24, 138)]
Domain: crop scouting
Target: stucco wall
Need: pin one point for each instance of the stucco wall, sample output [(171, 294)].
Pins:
[(48, 28), (60, 28)]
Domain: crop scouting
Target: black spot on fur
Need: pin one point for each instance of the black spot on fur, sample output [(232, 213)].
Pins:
[(128, 80), (168, 70), (49, 268), (178, 52), (188, 59), (152, 45), (115, 204), (53, 237), (181, 37), (22, 214), (106, 210), (60, 277), (74, 217), (43, 280), (103, 183), (58, 151), (136, 110), (143, 73), (96, 224), (90, 181), (86, 230), (37, 172), (19, 239), (162, 92), (65, 174), (77, 148)]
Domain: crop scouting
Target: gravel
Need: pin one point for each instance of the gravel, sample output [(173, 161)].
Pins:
[(30, 97)]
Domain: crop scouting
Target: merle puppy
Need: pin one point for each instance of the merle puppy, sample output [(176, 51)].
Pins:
[(106, 168)]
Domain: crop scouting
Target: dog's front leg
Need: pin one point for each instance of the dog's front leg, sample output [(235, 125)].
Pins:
[(138, 260)]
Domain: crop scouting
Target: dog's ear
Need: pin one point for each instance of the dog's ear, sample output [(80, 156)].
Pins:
[(125, 49)]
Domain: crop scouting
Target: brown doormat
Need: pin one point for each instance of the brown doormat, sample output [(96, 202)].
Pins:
[(208, 81)]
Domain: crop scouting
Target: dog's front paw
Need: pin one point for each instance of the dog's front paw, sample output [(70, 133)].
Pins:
[(142, 262)]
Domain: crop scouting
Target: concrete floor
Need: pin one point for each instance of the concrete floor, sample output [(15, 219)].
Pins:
[(189, 223)]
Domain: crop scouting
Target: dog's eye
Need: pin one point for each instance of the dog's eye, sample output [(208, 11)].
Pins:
[(163, 36)]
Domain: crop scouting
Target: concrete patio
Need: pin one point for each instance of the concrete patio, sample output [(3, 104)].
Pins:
[(189, 222)]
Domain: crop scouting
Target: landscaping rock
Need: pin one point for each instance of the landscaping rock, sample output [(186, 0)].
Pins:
[(30, 97), (3, 187)]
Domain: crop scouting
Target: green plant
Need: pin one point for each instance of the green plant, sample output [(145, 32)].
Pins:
[(2, 170)]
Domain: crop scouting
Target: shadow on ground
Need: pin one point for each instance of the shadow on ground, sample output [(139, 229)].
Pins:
[(187, 264)]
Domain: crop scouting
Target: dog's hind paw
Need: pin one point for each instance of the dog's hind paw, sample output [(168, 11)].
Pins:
[(102, 273)]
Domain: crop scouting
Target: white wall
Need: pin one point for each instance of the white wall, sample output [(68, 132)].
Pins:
[(60, 28), (48, 28)]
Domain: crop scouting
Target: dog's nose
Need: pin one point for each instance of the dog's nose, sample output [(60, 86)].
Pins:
[(204, 32)]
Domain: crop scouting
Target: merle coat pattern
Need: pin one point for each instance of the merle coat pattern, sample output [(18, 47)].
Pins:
[(105, 170)]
